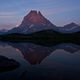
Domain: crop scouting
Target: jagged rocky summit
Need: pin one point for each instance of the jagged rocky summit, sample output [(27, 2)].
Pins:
[(33, 22)]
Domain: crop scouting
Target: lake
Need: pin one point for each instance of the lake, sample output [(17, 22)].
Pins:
[(29, 61)]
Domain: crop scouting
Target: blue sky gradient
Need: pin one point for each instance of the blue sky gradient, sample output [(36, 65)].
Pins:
[(59, 12)]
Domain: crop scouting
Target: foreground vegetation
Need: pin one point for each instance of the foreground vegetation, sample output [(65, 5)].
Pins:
[(43, 37)]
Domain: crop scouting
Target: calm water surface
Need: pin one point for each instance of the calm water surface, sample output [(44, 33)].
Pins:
[(37, 62)]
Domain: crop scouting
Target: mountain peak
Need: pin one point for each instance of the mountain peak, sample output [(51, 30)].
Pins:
[(72, 24), (35, 12), (36, 18), (34, 21)]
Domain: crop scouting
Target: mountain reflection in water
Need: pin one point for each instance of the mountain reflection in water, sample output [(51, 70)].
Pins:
[(58, 62)]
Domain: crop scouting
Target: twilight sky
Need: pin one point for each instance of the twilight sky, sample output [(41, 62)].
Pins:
[(59, 12)]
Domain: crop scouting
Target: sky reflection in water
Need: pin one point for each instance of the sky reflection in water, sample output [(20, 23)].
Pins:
[(60, 62)]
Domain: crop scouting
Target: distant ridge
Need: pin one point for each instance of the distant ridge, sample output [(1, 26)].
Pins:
[(72, 24), (70, 28)]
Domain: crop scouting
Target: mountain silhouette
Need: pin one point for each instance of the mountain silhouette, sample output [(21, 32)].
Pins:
[(35, 18), (33, 22), (71, 25), (3, 31), (69, 28)]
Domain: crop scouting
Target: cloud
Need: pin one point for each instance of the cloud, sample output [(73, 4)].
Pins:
[(53, 11), (8, 14), (9, 19), (39, 1)]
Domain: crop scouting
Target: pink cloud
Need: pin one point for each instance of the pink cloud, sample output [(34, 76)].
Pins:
[(8, 14)]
